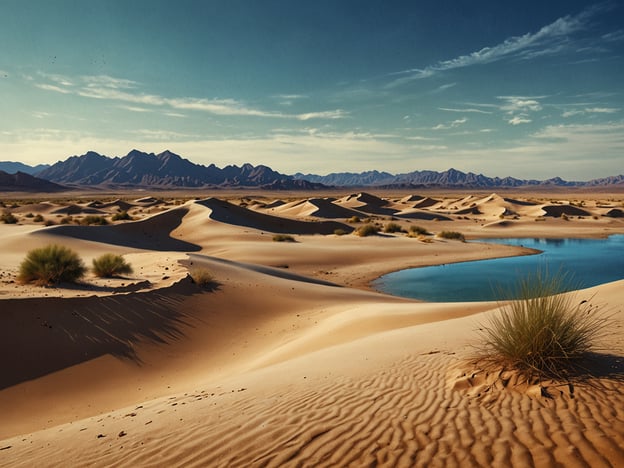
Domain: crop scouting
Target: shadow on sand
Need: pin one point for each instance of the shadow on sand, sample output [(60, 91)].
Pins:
[(41, 336)]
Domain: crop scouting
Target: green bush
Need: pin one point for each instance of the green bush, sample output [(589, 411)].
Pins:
[(541, 332), (109, 265), (92, 219), (366, 230), (50, 265), (8, 217), (283, 238), (393, 227), (121, 216), (452, 235)]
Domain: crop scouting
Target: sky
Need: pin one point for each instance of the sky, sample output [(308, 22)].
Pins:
[(528, 89)]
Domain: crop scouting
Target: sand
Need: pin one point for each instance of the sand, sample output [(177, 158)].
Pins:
[(288, 358)]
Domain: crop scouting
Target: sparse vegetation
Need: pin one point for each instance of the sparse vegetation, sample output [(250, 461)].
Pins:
[(340, 232), (93, 219), (49, 222), (67, 220), (50, 265), (415, 231), (283, 238), (121, 216), (8, 217), (542, 333), (201, 276), (367, 230), (109, 265), (354, 219), (29, 215), (453, 235), (38, 219), (393, 227)]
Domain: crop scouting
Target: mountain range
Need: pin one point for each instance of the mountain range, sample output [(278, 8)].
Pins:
[(169, 170)]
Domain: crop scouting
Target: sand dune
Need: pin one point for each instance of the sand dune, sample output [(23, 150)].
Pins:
[(229, 213), (287, 358)]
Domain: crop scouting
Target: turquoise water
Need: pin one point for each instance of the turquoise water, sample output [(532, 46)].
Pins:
[(589, 261)]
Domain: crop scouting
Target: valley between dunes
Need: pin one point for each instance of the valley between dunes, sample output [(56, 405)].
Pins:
[(288, 357)]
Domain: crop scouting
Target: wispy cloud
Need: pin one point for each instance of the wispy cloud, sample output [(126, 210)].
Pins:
[(118, 89), (464, 111), (550, 39), (513, 104), (518, 120), (590, 110), (135, 108), (454, 124), (333, 114)]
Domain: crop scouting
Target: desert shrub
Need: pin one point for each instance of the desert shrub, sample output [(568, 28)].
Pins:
[(51, 264), (418, 231), (109, 265), (367, 230), (121, 216), (93, 219), (8, 217), (541, 332), (49, 222), (354, 219), (340, 232), (451, 235), (393, 227), (201, 276), (283, 238), (67, 220), (29, 215), (38, 219)]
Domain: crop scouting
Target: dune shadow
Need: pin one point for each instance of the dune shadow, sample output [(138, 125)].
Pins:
[(150, 234), (40, 336), (226, 212)]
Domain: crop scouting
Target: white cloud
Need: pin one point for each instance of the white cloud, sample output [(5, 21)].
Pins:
[(520, 104), (135, 108), (590, 110), (117, 89), (49, 87), (468, 110), (550, 39), (334, 114), (453, 124), (519, 120)]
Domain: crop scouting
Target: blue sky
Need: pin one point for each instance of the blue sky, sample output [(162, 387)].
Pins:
[(529, 89)]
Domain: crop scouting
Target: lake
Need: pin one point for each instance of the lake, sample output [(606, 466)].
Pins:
[(589, 261)]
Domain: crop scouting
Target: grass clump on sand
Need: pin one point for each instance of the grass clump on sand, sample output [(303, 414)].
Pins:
[(109, 265), (367, 230), (283, 238), (92, 219), (340, 232), (542, 333), (201, 276), (415, 231), (50, 265), (8, 218), (354, 219), (453, 235), (121, 216), (393, 227)]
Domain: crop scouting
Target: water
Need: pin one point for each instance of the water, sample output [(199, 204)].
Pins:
[(589, 261)]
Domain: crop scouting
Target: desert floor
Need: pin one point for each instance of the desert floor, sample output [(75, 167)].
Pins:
[(287, 357)]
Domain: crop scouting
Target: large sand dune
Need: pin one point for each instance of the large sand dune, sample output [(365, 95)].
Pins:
[(287, 358)]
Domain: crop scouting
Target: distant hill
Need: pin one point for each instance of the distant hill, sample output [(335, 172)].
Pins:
[(166, 169), (12, 167), (169, 170), (22, 182), (447, 179)]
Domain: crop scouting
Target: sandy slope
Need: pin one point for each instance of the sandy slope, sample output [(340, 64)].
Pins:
[(287, 359)]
